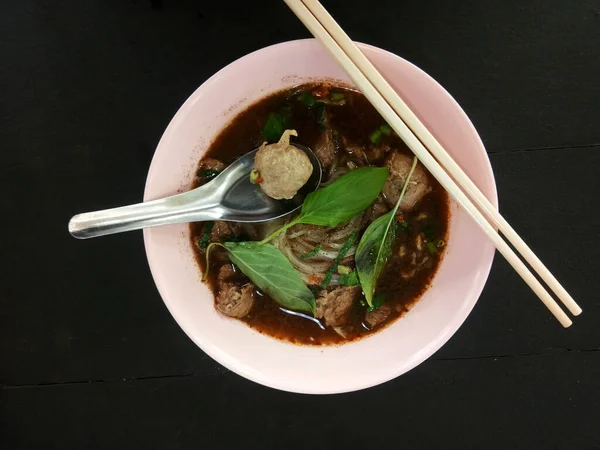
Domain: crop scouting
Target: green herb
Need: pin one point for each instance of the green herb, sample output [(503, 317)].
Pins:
[(403, 226), (344, 270), (320, 115), (341, 200), (314, 252), (272, 273), (349, 243), (433, 247), (350, 279), (376, 245), (385, 129), (376, 137), (307, 99), (208, 174), (277, 123), (205, 239), (337, 96), (254, 176), (377, 302), (379, 133), (429, 231)]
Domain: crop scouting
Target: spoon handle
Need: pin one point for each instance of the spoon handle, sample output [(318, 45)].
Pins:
[(193, 206)]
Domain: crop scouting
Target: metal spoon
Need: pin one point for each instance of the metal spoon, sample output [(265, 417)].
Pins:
[(229, 196)]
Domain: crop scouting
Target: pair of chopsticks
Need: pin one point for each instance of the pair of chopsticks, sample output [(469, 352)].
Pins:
[(427, 149)]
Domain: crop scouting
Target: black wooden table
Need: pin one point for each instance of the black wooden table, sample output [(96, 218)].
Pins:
[(90, 357)]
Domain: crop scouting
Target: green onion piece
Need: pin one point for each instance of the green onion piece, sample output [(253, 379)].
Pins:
[(312, 253), (208, 174), (307, 99), (432, 248), (344, 270), (385, 129), (441, 243), (376, 136), (254, 175), (349, 243), (337, 96), (380, 132), (350, 279), (205, 239)]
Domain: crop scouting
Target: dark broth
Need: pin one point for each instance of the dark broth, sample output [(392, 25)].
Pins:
[(355, 121)]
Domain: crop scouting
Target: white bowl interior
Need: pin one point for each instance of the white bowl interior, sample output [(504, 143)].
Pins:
[(332, 369)]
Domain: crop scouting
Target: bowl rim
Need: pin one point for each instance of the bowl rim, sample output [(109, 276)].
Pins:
[(484, 269)]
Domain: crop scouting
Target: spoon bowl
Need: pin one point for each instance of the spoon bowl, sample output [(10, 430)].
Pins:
[(246, 202), (229, 196)]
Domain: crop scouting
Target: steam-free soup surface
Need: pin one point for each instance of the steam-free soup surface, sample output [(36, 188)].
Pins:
[(346, 133)]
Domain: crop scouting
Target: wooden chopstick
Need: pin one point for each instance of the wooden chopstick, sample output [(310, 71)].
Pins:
[(435, 148), (393, 119)]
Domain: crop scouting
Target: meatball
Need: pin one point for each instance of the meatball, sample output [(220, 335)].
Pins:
[(335, 306), (282, 168), (418, 185)]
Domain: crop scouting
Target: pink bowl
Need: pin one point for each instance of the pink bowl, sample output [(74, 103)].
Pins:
[(317, 370)]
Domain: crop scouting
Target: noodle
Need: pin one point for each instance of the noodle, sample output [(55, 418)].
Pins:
[(302, 239)]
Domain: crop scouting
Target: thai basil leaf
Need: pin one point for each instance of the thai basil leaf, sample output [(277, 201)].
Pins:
[(375, 246), (272, 273), (343, 199), (350, 279), (377, 302), (372, 252)]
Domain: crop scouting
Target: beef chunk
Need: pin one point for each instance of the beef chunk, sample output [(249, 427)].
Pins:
[(211, 164), (222, 231), (325, 149), (378, 208), (335, 306), (375, 318), (399, 165)]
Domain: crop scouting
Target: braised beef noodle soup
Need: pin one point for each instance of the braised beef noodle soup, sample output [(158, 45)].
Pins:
[(365, 245)]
